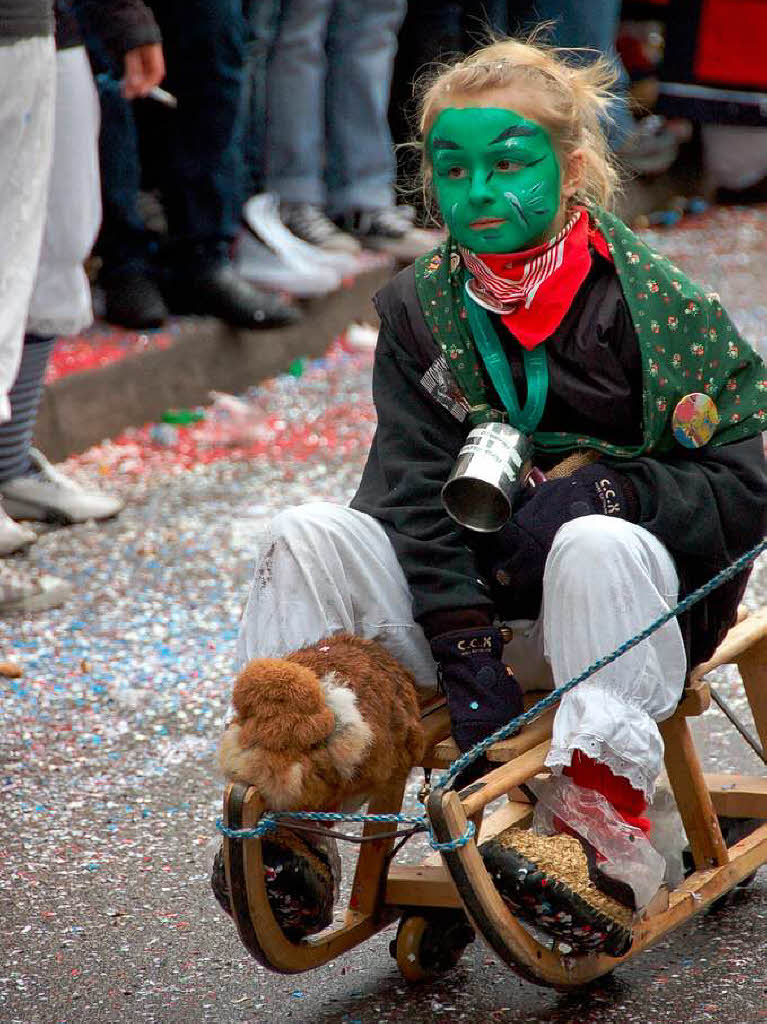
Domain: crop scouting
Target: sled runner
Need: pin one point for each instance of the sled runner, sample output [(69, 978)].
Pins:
[(724, 816)]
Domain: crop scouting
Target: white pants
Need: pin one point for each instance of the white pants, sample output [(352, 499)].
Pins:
[(61, 298), (325, 568), (27, 91)]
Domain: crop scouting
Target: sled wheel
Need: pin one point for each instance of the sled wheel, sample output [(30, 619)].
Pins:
[(426, 947)]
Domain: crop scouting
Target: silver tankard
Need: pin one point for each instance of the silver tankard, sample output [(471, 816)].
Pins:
[(491, 469)]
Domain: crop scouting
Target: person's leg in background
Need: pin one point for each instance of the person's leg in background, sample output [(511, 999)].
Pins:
[(131, 295), (361, 167), (266, 252), (296, 151), (27, 96), (263, 20), (204, 45), (432, 31), (15, 440), (60, 303), (124, 247)]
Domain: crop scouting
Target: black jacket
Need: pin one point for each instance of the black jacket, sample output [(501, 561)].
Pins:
[(25, 19), (707, 505), (121, 25)]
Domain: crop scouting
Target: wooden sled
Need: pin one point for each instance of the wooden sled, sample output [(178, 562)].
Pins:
[(426, 897)]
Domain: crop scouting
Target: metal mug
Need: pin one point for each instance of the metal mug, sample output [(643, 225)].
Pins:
[(491, 469)]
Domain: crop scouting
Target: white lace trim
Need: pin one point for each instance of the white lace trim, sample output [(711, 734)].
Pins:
[(599, 750)]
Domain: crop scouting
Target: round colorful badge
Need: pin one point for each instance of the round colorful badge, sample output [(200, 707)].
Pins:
[(695, 420)]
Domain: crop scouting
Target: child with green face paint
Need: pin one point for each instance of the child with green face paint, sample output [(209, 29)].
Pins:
[(645, 409), (496, 177)]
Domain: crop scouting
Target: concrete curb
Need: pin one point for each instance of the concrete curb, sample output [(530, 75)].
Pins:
[(82, 409)]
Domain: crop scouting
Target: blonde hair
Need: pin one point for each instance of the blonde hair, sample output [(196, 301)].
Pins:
[(572, 100)]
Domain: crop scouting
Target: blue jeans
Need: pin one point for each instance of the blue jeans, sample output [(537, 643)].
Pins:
[(592, 24), (329, 75), (263, 19), (198, 145)]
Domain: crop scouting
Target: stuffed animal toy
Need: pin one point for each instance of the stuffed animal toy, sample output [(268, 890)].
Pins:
[(323, 727)]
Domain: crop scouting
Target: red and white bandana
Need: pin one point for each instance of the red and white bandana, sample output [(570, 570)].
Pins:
[(532, 290)]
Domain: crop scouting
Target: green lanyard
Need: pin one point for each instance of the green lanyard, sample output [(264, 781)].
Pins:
[(497, 365)]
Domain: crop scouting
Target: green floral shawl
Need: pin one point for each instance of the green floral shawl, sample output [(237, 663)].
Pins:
[(688, 343)]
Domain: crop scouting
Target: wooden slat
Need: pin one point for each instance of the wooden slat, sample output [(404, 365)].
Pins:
[(514, 814), (739, 639), (423, 885), (530, 737), (692, 797), (373, 857), (752, 665), (738, 796), (696, 699), (501, 780), (436, 727), (447, 751), (444, 753), (701, 888)]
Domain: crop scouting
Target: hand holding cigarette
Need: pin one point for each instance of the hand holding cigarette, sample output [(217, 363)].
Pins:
[(144, 70)]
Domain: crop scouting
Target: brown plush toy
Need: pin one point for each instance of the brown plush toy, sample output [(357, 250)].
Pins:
[(323, 727)]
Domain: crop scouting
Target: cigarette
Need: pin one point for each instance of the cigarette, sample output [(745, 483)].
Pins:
[(166, 98)]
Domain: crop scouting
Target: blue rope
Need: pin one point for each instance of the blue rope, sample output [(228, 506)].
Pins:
[(454, 844), (271, 820)]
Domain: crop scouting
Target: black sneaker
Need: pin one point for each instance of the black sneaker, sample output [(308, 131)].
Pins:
[(133, 299), (390, 230), (310, 223), (218, 291), (301, 882)]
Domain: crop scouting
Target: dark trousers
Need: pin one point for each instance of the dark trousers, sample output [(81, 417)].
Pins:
[(194, 151), (433, 31)]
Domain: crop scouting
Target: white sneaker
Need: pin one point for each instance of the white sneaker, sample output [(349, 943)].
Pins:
[(51, 497), (13, 536), (263, 266), (261, 215), (26, 590)]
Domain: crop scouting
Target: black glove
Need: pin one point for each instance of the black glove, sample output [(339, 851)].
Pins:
[(514, 558), (482, 693)]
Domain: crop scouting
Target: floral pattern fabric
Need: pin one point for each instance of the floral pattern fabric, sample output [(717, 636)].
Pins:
[(687, 341)]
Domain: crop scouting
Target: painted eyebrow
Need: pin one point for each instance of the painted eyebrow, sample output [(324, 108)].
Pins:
[(444, 144), (514, 131)]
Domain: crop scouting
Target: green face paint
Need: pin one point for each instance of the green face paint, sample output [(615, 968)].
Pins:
[(496, 177)]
